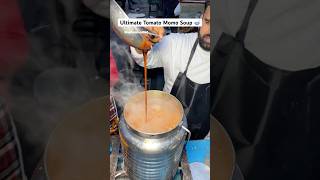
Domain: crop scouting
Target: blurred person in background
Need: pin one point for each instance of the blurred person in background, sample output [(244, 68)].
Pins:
[(169, 7), (132, 5), (13, 44), (13, 52)]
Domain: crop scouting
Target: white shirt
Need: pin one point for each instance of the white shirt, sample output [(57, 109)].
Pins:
[(172, 53)]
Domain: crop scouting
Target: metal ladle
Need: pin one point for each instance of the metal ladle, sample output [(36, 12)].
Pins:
[(135, 37)]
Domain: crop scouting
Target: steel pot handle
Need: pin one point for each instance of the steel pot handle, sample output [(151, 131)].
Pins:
[(189, 133)]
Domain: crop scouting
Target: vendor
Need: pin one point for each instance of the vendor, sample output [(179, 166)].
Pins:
[(185, 59)]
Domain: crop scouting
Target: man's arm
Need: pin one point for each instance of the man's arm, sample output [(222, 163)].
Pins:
[(156, 55)]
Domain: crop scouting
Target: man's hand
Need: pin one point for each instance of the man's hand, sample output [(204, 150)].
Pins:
[(154, 35)]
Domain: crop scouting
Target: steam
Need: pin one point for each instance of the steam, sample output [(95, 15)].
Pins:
[(58, 77), (128, 84)]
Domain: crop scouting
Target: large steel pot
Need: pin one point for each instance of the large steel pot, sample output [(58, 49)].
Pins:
[(150, 156)]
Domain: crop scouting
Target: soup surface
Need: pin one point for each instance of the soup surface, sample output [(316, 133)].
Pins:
[(164, 113)]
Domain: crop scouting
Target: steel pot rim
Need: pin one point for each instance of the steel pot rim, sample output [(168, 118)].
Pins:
[(154, 135), (146, 134)]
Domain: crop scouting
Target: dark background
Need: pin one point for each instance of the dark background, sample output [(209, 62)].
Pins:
[(66, 65)]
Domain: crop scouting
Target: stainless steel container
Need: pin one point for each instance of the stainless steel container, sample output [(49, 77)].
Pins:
[(153, 156)]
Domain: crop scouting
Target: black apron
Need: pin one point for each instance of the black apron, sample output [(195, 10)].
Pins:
[(272, 115), (195, 99)]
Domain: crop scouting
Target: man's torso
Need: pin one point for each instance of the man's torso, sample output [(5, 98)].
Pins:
[(176, 58)]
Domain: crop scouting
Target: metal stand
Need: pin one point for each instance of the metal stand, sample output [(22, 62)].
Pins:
[(115, 142), (114, 163)]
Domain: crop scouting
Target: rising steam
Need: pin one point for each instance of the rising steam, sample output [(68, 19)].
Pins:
[(128, 84)]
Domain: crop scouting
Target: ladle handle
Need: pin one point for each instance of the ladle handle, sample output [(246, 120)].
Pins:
[(189, 133)]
